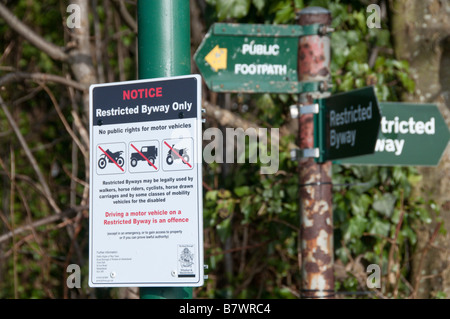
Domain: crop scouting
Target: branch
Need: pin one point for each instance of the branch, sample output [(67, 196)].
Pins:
[(81, 55), (33, 162), (80, 127), (229, 119), (54, 51), (125, 15), (12, 178), (65, 123), (43, 221), (19, 76), (422, 258)]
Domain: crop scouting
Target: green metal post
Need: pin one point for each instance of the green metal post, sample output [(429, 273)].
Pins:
[(164, 50)]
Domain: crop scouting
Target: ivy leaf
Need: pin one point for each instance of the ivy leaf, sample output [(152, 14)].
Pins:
[(360, 20), (410, 234), (356, 227), (414, 179), (358, 52), (274, 206), (380, 227), (246, 208), (399, 174), (224, 193), (267, 194), (299, 4), (284, 12), (224, 229), (259, 4), (361, 204), (379, 63), (424, 215), (383, 37), (225, 208), (229, 9), (242, 191), (352, 37), (347, 84), (383, 92), (385, 204), (211, 195), (292, 191), (407, 82)]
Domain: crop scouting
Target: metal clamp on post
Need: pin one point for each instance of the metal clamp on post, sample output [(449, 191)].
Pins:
[(297, 110), (325, 30), (297, 153), (203, 112), (206, 267)]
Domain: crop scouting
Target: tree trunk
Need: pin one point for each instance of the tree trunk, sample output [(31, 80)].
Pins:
[(80, 57), (421, 33)]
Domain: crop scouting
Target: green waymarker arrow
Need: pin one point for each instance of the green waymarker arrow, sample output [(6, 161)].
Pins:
[(348, 124), (410, 134), (253, 58)]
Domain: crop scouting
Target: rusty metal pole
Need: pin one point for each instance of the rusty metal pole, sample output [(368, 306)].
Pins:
[(315, 178)]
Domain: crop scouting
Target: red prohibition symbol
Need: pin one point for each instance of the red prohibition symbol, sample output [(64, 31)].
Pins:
[(177, 154), (145, 157), (111, 159)]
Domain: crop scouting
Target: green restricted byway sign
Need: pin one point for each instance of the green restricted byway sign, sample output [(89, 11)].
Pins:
[(410, 135), (253, 58)]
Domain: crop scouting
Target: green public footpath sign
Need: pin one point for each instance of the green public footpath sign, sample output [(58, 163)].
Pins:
[(410, 134), (253, 58), (348, 124)]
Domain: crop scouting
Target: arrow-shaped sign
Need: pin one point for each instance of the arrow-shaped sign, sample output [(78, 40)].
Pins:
[(410, 134), (253, 58), (348, 124)]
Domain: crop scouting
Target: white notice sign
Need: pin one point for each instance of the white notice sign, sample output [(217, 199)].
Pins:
[(146, 183)]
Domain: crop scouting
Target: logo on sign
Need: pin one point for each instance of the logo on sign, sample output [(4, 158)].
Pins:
[(186, 261)]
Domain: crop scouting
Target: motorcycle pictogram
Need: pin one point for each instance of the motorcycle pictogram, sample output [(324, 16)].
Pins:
[(109, 156), (182, 152)]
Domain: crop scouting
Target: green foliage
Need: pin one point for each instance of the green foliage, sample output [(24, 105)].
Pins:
[(251, 221), (361, 56), (231, 9), (259, 215), (276, 12), (34, 262)]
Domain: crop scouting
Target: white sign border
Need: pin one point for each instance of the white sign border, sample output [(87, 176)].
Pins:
[(198, 162)]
